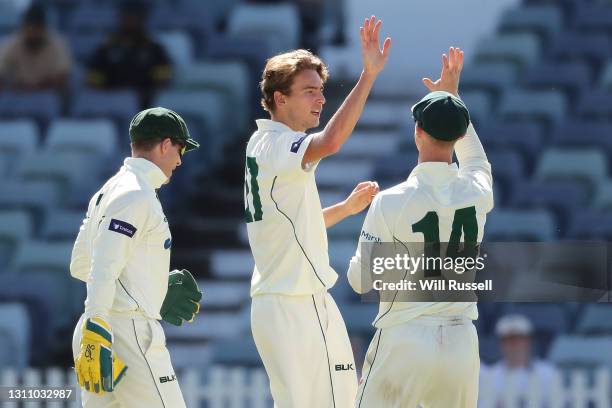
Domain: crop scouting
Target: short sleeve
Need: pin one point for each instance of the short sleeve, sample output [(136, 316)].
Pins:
[(288, 151)]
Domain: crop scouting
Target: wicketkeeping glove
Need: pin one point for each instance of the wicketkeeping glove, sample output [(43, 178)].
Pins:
[(181, 302), (97, 369)]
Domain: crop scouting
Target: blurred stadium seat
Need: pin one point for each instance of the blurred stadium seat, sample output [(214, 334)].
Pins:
[(595, 320), (545, 21), (546, 106), (15, 325), (586, 165), (515, 225), (580, 351), (519, 49), (96, 137), (246, 20)]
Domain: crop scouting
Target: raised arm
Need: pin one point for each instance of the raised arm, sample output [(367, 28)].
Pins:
[(468, 149), (341, 125)]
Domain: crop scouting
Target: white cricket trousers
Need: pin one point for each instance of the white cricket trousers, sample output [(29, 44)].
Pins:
[(150, 381), (429, 361), (304, 346)]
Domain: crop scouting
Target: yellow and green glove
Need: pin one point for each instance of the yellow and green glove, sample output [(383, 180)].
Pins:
[(182, 299), (97, 369)]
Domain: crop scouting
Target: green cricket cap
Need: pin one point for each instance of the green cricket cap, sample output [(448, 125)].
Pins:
[(442, 115), (160, 123)]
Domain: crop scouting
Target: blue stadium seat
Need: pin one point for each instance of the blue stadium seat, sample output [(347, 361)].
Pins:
[(62, 225), (10, 16), (225, 295), (545, 21), (591, 224), (15, 228), (83, 45), (49, 256), (215, 326), (577, 46), (90, 136), (603, 197), (15, 322), (372, 144), (606, 77), (596, 320), (583, 133), (119, 105), (18, 136), (178, 46), (553, 196), (572, 77), (581, 352), (229, 77), (252, 50), (207, 108), (508, 166), (517, 225), (44, 105), (489, 76), (253, 20), (586, 165), (525, 136), (231, 264), (594, 18), (394, 169), (344, 173), (190, 17), (519, 49), (90, 17), (59, 168), (32, 195), (548, 106), (480, 105), (595, 105), (348, 229), (236, 352)]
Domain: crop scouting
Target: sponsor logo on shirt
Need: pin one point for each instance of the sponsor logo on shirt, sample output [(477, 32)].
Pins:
[(122, 227), (295, 146), (345, 367), (369, 237), (167, 378), (168, 243)]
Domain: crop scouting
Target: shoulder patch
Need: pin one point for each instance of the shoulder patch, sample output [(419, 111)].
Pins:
[(295, 146), (122, 227)]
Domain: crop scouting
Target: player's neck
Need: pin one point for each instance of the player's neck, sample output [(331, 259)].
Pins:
[(279, 117), (431, 156)]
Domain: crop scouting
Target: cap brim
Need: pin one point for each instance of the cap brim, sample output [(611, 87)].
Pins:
[(191, 145)]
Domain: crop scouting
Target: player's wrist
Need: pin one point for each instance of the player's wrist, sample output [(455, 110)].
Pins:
[(368, 75)]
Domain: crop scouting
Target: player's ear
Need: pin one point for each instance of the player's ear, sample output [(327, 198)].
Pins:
[(279, 98)]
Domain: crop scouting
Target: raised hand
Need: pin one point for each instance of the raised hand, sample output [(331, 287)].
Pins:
[(451, 73), (374, 59)]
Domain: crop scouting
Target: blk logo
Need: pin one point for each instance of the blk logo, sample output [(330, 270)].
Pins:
[(167, 378), (345, 367)]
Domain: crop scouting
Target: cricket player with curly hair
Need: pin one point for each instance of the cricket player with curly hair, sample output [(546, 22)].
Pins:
[(122, 252), (425, 353), (297, 327)]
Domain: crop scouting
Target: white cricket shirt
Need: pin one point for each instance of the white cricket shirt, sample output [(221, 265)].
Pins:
[(432, 187), (283, 212), (122, 250)]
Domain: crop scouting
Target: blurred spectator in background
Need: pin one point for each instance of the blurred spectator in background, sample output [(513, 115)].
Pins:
[(130, 58), (518, 368), (34, 58)]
